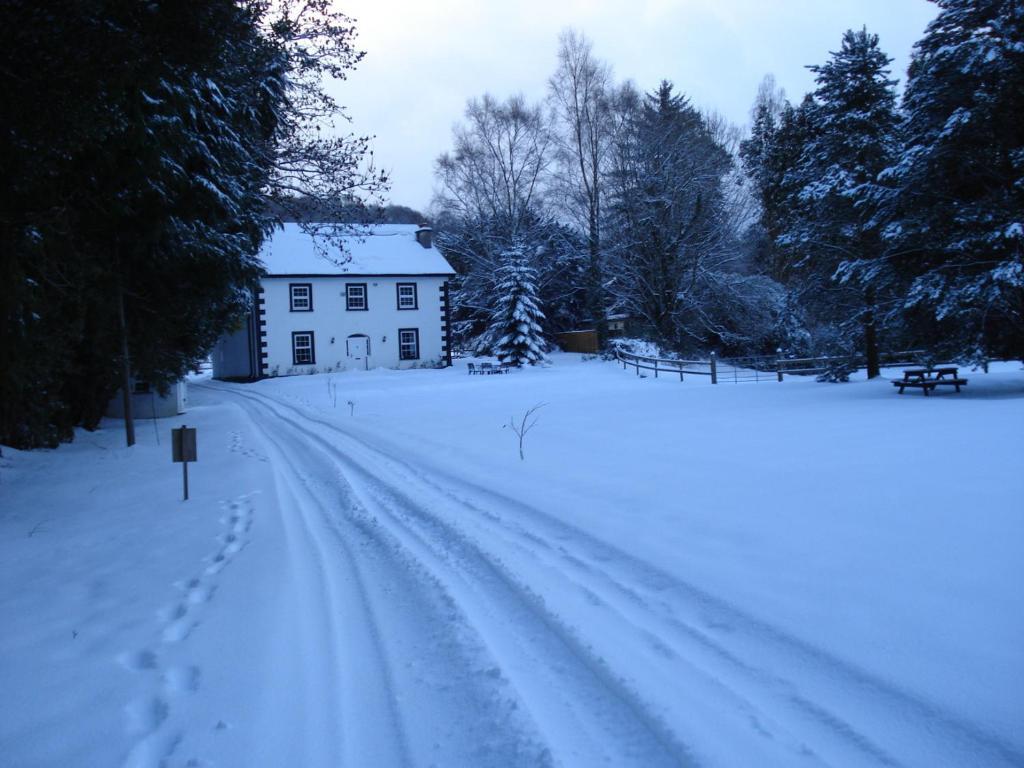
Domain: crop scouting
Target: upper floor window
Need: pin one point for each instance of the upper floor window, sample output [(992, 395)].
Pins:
[(301, 296), (407, 296), (355, 297)]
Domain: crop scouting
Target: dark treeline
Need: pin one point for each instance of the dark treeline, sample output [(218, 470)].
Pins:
[(850, 222), (147, 148)]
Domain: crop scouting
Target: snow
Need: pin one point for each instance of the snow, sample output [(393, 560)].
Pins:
[(385, 249), (676, 574)]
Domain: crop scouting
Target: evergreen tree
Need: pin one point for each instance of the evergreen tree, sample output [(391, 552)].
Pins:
[(952, 204), (667, 215), (853, 138), (517, 316), (139, 143), (768, 154), (477, 249), (135, 146)]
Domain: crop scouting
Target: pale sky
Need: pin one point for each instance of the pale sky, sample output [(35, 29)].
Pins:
[(425, 58)]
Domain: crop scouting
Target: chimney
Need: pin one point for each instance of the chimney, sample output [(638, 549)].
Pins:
[(424, 235)]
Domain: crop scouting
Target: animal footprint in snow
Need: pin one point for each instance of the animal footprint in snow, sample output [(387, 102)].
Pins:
[(180, 626), (238, 446), (182, 679), (199, 593), (146, 715)]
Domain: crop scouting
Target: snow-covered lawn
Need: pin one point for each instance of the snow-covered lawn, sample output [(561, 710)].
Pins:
[(677, 574)]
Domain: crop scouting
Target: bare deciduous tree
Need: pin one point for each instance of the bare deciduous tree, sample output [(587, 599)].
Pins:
[(318, 166), (526, 422), (580, 94), (497, 168)]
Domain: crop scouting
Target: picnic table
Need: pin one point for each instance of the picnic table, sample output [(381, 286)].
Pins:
[(489, 368), (927, 379)]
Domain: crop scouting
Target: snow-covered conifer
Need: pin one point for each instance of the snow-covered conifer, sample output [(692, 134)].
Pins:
[(517, 316), (953, 202), (852, 138)]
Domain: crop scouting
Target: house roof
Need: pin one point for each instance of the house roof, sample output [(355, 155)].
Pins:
[(384, 249)]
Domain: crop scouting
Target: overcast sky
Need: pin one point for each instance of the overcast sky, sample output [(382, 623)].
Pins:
[(425, 58)]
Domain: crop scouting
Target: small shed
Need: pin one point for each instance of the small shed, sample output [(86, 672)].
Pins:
[(618, 325), (578, 341), (147, 403), (585, 340)]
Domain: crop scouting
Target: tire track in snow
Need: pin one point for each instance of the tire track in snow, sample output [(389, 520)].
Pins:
[(585, 713), (337, 585), (821, 696), (387, 660)]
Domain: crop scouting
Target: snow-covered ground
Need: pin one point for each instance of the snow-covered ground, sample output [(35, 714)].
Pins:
[(677, 574)]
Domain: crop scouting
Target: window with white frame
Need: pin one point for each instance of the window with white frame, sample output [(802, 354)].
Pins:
[(407, 296), (303, 351), (355, 297), (301, 295), (408, 344)]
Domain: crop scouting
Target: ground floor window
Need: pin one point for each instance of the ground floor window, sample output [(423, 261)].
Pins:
[(408, 344), (302, 348)]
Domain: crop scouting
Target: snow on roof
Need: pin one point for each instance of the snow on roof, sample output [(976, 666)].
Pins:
[(385, 249)]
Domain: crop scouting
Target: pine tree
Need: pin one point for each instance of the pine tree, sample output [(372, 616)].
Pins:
[(667, 213), (952, 208), (138, 145), (768, 154), (517, 316), (853, 138)]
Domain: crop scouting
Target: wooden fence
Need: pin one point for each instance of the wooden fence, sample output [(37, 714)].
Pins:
[(672, 367), (756, 369)]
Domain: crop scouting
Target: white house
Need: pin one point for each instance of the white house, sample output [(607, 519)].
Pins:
[(384, 303)]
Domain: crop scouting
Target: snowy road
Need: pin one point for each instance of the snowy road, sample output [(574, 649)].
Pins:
[(435, 621)]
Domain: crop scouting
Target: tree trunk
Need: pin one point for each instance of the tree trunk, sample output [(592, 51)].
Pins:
[(597, 302), (871, 356), (126, 375)]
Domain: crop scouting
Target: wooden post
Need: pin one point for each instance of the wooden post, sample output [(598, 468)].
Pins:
[(655, 367), (778, 362), (183, 450), (126, 389), (714, 369)]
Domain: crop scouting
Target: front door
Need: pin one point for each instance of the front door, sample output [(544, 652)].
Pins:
[(358, 352)]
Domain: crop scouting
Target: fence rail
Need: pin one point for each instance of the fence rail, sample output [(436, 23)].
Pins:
[(664, 365), (759, 368)]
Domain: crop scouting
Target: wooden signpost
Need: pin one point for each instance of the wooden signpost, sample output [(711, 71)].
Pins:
[(183, 450)]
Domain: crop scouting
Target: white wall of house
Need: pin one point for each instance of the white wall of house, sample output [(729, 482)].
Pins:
[(350, 339), (233, 357)]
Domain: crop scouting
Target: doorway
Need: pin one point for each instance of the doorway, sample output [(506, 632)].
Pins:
[(357, 347)]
